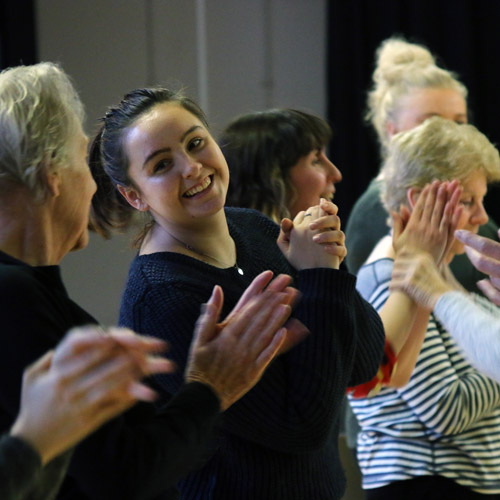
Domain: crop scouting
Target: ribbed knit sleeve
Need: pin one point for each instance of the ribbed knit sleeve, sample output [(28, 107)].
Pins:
[(475, 326), (298, 399)]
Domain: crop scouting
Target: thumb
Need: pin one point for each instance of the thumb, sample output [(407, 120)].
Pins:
[(206, 324), (284, 236), (40, 366)]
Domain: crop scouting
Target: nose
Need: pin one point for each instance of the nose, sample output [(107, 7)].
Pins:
[(190, 167), (333, 174), (480, 216)]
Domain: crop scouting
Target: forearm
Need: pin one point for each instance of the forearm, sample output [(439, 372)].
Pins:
[(146, 452), (475, 329), (21, 472), (20, 467), (398, 315), (408, 355), (448, 396)]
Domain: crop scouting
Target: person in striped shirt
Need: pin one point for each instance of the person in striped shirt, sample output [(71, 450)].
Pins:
[(438, 436)]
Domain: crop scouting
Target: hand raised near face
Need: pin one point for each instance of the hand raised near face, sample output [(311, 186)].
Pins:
[(314, 238), (431, 224)]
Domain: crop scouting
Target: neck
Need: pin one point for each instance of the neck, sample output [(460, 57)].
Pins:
[(27, 232)]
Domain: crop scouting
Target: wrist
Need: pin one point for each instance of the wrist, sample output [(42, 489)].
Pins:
[(19, 431), (201, 378)]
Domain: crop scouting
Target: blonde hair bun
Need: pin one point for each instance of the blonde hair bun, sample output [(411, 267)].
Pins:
[(395, 56)]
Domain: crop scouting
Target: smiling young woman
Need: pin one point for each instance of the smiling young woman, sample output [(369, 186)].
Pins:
[(160, 158)]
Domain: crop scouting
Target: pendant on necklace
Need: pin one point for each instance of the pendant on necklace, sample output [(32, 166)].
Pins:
[(240, 271)]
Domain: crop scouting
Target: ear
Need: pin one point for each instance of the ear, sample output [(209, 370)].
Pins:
[(53, 181), (412, 195), (133, 198), (391, 128)]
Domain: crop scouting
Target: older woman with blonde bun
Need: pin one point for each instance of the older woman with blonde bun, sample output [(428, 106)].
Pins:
[(423, 439), (408, 87)]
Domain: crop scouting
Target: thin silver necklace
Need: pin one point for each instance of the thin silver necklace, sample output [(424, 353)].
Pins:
[(203, 254)]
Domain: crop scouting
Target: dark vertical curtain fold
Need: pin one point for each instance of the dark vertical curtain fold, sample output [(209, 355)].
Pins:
[(17, 33), (464, 34)]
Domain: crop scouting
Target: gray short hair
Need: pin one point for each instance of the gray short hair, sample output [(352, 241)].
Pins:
[(402, 67), (39, 112), (437, 149)]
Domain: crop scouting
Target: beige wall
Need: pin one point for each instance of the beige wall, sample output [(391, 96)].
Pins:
[(233, 55)]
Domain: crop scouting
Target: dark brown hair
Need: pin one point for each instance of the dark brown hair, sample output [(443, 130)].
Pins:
[(108, 161)]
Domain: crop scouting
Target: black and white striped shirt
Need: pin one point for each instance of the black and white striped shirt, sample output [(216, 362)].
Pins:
[(446, 421)]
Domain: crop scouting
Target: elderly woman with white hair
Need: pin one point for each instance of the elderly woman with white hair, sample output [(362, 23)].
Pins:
[(45, 194), (437, 436)]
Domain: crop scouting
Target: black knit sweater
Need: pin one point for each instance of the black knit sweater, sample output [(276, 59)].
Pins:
[(279, 441)]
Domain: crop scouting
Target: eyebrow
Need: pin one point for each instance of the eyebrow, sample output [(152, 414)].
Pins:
[(166, 150)]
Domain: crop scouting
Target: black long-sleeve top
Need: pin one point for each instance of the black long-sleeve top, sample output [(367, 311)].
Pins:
[(275, 443), (139, 455)]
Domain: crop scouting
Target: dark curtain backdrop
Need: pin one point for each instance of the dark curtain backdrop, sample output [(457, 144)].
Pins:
[(464, 34), (17, 33)]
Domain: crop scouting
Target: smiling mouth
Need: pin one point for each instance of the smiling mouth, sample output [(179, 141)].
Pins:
[(198, 188)]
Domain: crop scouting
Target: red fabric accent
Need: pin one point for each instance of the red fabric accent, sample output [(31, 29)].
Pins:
[(383, 376)]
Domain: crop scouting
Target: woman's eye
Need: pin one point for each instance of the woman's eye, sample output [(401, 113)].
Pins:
[(466, 203), (195, 143), (162, 165)]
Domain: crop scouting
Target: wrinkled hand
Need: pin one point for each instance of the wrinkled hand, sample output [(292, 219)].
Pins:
[(296, 331), (485, 257), (231, 357), (417, 275), (89, 379), (430, 226), (314, 238)]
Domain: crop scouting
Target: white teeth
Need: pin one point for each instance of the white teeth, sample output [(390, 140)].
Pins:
[(199, 187)]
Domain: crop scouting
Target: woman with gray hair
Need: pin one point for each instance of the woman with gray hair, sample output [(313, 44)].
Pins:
[(45, 194), (439, 434)]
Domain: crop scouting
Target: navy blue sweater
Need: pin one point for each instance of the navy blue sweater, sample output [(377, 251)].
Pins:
[(278, 441)]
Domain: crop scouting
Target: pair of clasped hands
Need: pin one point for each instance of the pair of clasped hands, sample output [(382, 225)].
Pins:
[(314, 238)]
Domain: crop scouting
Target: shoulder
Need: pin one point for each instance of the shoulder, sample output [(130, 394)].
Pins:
[(19, 284), (382, 250), (164, 277), (251, 220), (374, 278)]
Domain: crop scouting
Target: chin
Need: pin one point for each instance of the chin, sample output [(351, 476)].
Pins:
[(457, 248), (81, 242)]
